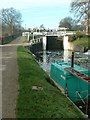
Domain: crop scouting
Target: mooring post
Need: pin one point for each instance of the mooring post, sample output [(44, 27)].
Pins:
[(72, 60)]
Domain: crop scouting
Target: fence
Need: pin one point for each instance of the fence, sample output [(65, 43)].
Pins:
[(7, 39)]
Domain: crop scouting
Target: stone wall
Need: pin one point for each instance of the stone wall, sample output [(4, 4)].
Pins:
[(36, 47)]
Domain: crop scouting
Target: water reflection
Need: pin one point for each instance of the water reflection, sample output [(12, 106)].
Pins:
[(45, 64), (66, 57), (45, 58)]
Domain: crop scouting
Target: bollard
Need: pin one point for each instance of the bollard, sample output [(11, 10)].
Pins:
[(72, 60)]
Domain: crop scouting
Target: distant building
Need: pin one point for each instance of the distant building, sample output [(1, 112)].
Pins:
[(62, 29)]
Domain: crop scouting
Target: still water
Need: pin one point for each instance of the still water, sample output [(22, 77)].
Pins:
[(46, 58)]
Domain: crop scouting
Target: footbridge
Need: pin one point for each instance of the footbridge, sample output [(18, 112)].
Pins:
[(46, 42)]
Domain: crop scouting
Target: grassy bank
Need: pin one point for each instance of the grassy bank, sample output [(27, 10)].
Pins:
[(47, 102), (84, 41)]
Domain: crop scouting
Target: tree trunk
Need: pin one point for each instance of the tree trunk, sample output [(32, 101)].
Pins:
[(87, 27)]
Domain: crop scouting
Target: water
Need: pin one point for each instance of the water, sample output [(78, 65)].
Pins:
[(46, 58)]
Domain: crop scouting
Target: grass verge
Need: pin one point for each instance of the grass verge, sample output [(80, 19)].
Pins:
[(84, 41), (44, 103)]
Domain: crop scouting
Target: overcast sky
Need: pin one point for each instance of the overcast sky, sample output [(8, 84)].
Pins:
[(37, 12)]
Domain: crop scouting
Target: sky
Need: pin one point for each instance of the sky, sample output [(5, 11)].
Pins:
[(38, 12)]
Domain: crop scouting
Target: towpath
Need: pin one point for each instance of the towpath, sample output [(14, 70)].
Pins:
[(9, 69)]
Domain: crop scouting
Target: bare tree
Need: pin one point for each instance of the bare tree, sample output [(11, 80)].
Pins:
[(81, 8), (11, 18)]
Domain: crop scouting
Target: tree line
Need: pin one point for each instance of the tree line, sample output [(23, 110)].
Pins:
[(81, 10), (11, 21)]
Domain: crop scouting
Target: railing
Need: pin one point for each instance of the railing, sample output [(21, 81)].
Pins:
[(54, 33), (60, 33), (34, 41), (78, 74)]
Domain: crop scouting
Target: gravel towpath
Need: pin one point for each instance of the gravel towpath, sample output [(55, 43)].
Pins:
[(9, 78)]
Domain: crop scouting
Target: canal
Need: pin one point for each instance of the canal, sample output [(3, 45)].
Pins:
[(46, 58)]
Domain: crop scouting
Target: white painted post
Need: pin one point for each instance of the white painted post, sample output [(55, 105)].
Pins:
[(30, 42), (28, 37), (44, 43), (65, 44)]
